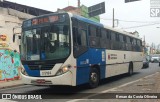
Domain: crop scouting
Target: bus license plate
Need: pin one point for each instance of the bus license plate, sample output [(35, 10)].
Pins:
[(46, 73)]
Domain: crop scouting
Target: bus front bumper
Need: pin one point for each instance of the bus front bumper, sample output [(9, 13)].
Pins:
[(64, 79)]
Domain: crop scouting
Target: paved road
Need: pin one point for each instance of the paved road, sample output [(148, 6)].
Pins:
[(69, 93)]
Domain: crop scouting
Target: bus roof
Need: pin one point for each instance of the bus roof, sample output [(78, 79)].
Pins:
[(101, 25), (122, 32), (87, 20)]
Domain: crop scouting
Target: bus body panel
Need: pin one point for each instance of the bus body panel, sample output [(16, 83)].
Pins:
[(38, 73), (68, 78), (116, 69), (31, 72), (137, 65), (64, 79), (86, 61), (118, 62), (86, 20)]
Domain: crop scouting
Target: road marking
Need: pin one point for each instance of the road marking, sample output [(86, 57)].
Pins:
[(112, 89), (105, 91), (151, 75)]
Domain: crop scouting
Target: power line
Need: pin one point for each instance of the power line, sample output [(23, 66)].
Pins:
[(138, 21), (141, 26), (149, 23), (132, 21)]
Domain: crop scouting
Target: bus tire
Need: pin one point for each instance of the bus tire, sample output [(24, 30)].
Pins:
[(130, 69), (94, 78)]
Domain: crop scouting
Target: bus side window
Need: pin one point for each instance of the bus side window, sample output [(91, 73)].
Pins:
[(141, 48), (124, 44), (103, 38), (128, 43), (121, 42), (108, 41), (117, 45), (94, 36), (75, 32), (134, 44), (138, 45), (82, 34), (113, 40), (79, 38)]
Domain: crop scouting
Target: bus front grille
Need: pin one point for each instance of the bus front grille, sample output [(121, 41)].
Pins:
[(41, 67)]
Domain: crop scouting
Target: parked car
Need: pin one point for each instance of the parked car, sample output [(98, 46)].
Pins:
[(155, 58), (145, 62)]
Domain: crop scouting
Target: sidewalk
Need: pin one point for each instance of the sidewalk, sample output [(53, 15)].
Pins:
[(9, 84), (148, 84)]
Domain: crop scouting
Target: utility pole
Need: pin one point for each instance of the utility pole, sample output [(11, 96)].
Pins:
[(113, 18), (144, 41), (68, 2), (79, 3), (144, 45)]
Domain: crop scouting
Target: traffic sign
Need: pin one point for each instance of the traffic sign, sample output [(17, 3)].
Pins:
[(96, 9), (126, 1)]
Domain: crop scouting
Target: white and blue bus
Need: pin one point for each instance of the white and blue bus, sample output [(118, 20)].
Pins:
[(66, 49)]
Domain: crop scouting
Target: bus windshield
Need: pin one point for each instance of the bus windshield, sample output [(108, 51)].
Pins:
[(45, 43)]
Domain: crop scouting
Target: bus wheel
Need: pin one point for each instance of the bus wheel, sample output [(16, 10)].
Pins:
[(130, 70), (93, 78)]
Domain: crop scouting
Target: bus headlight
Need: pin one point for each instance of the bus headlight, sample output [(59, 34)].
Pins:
[(63, 70), (23, 71)]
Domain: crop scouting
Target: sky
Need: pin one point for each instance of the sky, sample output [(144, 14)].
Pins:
[(133, 16)]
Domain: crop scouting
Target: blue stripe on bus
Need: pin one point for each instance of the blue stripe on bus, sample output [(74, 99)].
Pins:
[(91, 57), (88, 20), (35, 73)]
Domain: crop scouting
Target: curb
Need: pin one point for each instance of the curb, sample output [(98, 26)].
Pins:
[(10, 84)]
